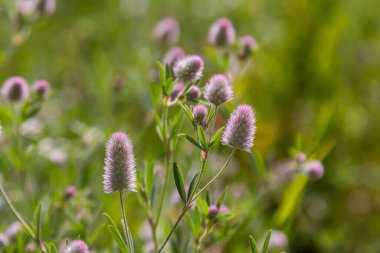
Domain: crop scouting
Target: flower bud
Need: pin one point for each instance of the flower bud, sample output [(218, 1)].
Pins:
[(249, 45), (212, 211), (218, 90), (188, 69), (41, 88), (70, 192), (167, 31), (240, 128), (15, 89), (313, 169), (120, 165), (194, 93), (222, 33), (176, 93), (200, 114), (77, 246)]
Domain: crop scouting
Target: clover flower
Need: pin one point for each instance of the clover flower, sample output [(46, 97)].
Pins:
[(222, 33), (188, 69), (200, 113), (77, 246), (41, 88), (15, 89), (194, 93), (167, 31), (249, 45), (313, 169), (120, 165), (218, 90), (176, 93), (173, 55), (240, 129)]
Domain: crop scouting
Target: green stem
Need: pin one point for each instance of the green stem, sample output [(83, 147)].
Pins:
[(125, 227), (213, 120)]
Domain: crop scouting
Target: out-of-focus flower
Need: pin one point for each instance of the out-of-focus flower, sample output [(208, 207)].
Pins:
[(223, 209), (172, 56), (46, 6), (188, 69), (31, 127), (278, 240), (222, 33), (3, 241), (212, 211), (12, 230), (26, 7), (248, 46), (300, 157), (200, 113), (52, 150), (77, 246), (218, 90), (30, 247), (194, 93), (120, 164), (176, 93), (15, 89), (313, 169), (240, 128), (167, 31), (70, 192), (41, 88)]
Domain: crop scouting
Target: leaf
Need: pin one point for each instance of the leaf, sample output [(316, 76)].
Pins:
[(216, 137), (266, 242), (222, 197), (210, 113), (178, 178), (197, 221), (161, 71), (109, 220), (118, 238), (190, 139), (169, 85), (208, 198), (37, 217), (225, 217), (128, 236), (202, 137), (192, 186), (186, 109), (203, 205), (149, 177), (253, 244), (191, 224)]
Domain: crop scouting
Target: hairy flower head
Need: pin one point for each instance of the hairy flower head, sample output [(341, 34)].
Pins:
[(167, 30), (41, 88), (200, 114), (176, 93), (194, 93), (240, 129), (218, 90), (15, 89), (188, 69), (313, 169), (120, 165), (222, 33), (248, 46), (173, 55), (77, 246)]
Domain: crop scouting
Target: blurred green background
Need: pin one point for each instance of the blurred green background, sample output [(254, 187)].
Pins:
[(316, 75)]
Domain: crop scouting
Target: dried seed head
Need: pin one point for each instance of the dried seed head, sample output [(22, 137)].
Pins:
[(222, 33), (200, 113), (15, 89), (240, 128), (218, 90), (120, 165), (77, 246), (313, 169), (172, 56), (194, 93), (41, 88), (188, 69), (248, 46), (167, 31), (176, 93)]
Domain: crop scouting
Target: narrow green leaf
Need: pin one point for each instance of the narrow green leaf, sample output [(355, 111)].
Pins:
[(197, 221), (178, 178), (109, 220), (203, 205), (266, 242), (202, 137), (169, 85), (208, 198), (118, 238), (186, 109), (190, 139), (216, 137), (168, 73), (210, 113), (222, 197), (37, 217), (191, 224), (161, 71), (225, 217), (253, 244), (192, 186)]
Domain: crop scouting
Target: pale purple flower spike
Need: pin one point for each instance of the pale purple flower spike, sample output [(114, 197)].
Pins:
[(15, 89), (188, 69), (77, 246), (194, 93), (240, 129), (200, 113), (120, 164), (176, 92), (167, 30), (218, 90), (222, 33)]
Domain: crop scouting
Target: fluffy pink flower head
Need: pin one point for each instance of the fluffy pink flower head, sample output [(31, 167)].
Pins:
[(167, 30), (249, 45), (188, 69), (240, 129), (200, 114), (278, 240), (70, 192), (218, 90), (120, 164), (41, 88), (176, 92), (213, 211), (194, 93), (3, 241), (222, 33), (313, 169), (173, 55), (77, 246), (15, 89)]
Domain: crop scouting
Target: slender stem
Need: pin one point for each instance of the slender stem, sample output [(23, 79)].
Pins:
[(198, 180), (191, 199), (125, 227), (213, 120)]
